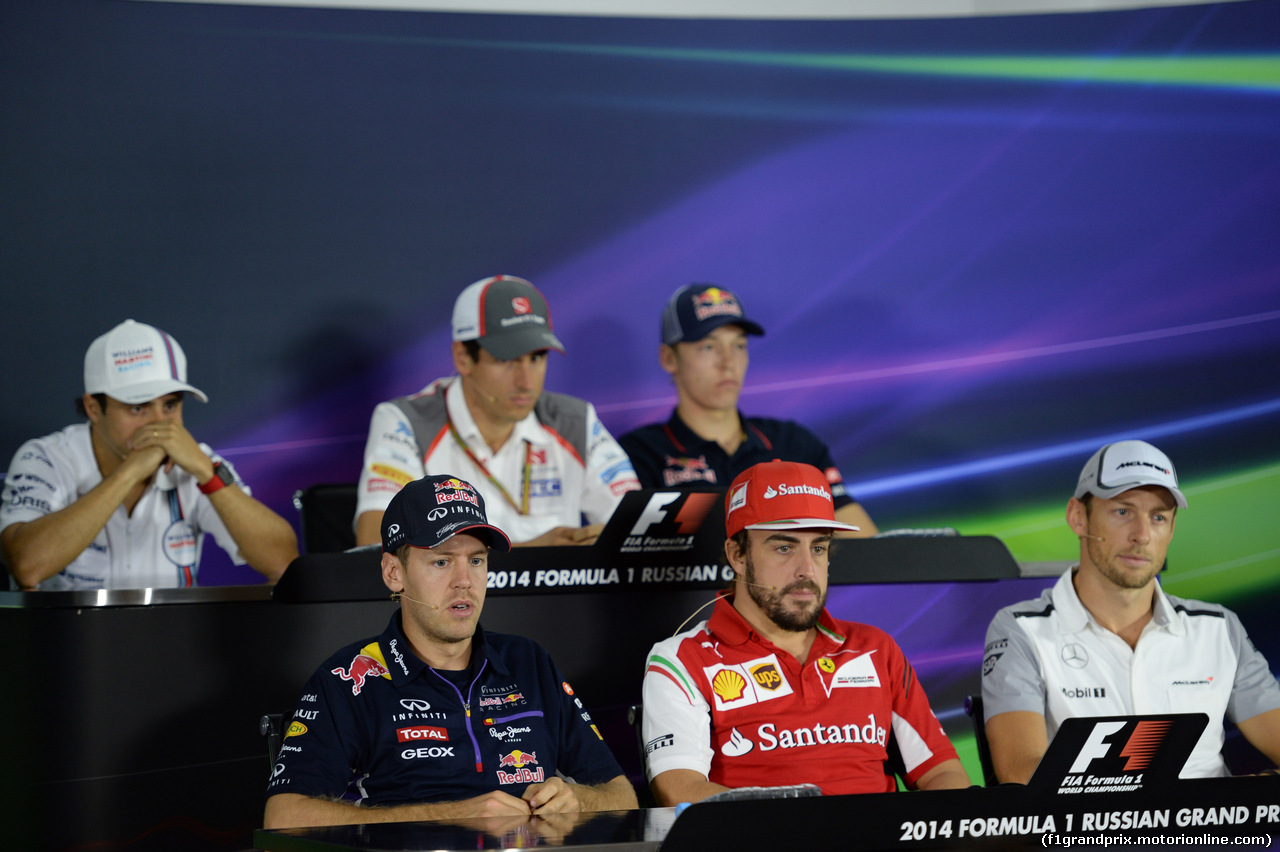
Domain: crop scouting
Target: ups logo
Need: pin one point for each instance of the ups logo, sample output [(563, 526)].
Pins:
[(767, 675)]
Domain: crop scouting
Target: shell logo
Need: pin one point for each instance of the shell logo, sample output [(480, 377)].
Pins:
[(729, 685)]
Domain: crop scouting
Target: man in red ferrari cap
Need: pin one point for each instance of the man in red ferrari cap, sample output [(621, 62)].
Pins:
[(771, 690)]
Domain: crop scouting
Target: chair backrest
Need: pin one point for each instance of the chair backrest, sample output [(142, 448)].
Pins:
[(327, 514), (973, 707), (271, 726), (635, 715)]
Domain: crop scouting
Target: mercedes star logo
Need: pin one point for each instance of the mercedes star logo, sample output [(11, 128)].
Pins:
[(1075, 656)]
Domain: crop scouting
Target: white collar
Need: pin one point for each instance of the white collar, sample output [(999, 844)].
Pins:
[(528, 429), (1073, 616)]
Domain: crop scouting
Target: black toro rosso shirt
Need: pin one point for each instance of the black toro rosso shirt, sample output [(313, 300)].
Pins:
[(376, 725), (671, 455)]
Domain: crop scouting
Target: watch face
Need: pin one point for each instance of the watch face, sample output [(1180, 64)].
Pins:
[(224, 473)]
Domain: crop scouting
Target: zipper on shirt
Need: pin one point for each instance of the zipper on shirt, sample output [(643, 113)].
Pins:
[(466, 708)]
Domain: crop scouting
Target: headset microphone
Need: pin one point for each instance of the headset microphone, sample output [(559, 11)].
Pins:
[(1094, 537), (493, 400), (396, 596)]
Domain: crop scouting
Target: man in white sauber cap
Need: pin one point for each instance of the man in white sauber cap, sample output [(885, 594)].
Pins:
[(124, 500), (543, 461), (1106, 640)]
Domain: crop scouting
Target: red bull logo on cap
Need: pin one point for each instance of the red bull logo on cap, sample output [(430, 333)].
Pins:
[(454, 490), (715, 302), (364, 665)]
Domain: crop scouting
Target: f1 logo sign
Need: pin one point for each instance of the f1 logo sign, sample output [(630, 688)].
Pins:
[(654, 512), (696, 506), (1094, 747), (1139, 749)]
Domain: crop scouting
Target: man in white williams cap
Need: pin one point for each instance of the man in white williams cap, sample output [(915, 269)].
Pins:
[(543, 461), (124, 500), (1107, 641)]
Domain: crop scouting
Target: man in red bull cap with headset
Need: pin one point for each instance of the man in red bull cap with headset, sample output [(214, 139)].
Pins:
[(771, 690), (437, 719)]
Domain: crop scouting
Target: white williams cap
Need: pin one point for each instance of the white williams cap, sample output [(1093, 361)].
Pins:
[(135, 363), (1118, 467)]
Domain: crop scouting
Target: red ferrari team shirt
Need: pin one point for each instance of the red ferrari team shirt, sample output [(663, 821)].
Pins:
[(725, 702)]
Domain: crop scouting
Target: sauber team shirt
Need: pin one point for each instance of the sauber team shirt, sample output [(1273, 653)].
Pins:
[(562, 485), (376, 726), (158, 546), (723, 701), (1049, 656), (671, 455)]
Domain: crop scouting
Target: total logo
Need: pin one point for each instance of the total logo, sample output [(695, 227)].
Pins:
[(520, 761), (418, 733), (769, 737)]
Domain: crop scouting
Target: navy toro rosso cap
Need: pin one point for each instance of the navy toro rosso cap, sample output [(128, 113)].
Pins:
[(429, 511), (695, 311)]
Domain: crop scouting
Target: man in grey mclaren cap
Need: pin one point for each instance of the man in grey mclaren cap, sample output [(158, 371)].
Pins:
[(1106, 640), (124, 500)]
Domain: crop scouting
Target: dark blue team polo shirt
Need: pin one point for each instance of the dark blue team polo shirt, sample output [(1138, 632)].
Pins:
[(375, 724), (671, 455)]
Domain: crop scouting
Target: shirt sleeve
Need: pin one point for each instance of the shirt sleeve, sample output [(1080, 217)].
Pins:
[(321, 747), (34, 487), (676, 726), (1011, 675), (1254, 690), (922, 742), (392, 459), (609, 473), (206, 518)]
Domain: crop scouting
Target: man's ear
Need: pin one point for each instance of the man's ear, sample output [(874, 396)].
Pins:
[(668, 359), (737, 559), (392, 572), (1077, 517), (462, 362), (91, 408)]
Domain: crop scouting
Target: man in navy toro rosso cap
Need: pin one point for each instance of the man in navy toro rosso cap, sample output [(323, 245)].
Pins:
[(708, 440), (437, 719)]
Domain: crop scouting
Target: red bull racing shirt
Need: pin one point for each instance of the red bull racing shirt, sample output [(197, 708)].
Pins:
[(375, 725), (725, 702)]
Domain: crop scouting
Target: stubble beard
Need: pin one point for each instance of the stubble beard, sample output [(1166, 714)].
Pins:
[(1118, 575), (773, 604)]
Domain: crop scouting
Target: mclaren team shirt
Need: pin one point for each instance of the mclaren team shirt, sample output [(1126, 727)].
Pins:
[(723, 701), (1049, 656)]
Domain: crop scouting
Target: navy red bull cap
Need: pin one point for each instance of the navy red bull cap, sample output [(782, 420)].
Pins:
[(429, 511), (695, 311)]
